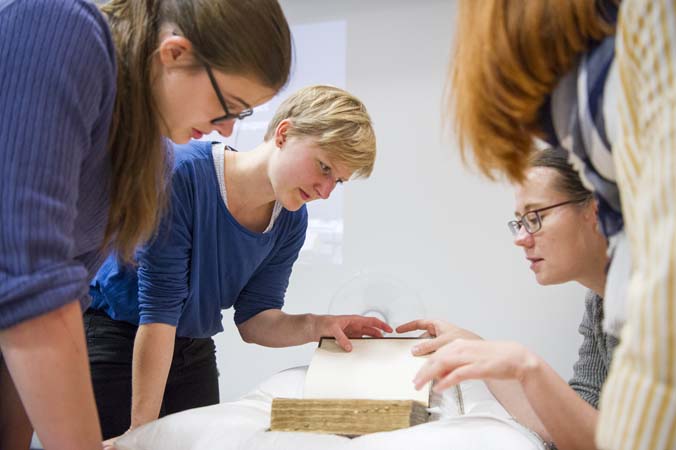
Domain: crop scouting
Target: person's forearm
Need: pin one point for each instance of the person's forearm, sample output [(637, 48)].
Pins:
[(274, 328), (570, 421), (512, 397), (546, 404), (153, 352), (47, 357)]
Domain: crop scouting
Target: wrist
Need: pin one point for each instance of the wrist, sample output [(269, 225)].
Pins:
[(313, 328), (137, 422), (530, 366), (140, 417)]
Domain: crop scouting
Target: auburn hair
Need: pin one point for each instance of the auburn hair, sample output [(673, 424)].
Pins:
[(509, 57)]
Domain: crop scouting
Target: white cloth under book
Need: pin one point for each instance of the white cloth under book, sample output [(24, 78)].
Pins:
[(242, 425)]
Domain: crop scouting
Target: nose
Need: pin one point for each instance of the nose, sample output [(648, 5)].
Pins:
[(523, 238), (325, 188), (225, 128)]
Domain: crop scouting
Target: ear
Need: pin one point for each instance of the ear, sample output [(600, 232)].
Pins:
[(592, 212), (280, 132), (175, 51)]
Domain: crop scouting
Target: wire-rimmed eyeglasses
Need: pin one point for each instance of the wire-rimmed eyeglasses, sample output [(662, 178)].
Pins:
[(532, 221)]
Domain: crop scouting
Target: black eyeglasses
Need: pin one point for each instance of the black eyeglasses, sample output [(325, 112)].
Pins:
[(532, 221), (228, 115)]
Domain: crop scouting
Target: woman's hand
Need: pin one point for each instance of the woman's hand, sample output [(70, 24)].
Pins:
[(465, 359), (344, 327), (442, 332)]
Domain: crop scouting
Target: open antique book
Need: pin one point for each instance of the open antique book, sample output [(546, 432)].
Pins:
[(367, 390)]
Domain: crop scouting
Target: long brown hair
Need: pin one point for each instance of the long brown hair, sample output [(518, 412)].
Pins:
[(242, 37), (509, 57)]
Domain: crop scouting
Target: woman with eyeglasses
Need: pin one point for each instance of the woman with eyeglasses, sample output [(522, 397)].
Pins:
[(236, 227), (88, 101), (556, 225), (594, 77)]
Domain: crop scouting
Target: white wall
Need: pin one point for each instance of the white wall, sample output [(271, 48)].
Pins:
[(423, 217)]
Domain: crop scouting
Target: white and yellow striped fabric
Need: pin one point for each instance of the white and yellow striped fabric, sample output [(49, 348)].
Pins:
[(638, 404)]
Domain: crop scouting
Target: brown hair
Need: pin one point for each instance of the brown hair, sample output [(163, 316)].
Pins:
[(338, 120), (221, 34), (509, 57), (568, 179)]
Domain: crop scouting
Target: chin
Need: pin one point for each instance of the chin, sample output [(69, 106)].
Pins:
[(180, 139), (178, 136), (542, 280), (292, 206), (545, 279)]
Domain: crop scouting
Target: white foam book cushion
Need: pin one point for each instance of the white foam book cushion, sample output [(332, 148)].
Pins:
[(243, 424)]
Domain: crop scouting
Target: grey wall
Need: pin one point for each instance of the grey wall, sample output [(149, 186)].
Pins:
[(423, 218)]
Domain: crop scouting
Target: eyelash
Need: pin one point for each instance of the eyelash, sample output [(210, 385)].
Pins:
[(326, 170)]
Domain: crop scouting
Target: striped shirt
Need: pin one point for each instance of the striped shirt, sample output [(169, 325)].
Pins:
[(57, 92), (638, 404), (575, 119)]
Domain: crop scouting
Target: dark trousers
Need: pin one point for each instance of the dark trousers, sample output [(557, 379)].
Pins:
[(192, 380)]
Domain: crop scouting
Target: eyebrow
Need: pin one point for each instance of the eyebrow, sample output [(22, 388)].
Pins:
[(528, 207), (332, 168), (343, 179)]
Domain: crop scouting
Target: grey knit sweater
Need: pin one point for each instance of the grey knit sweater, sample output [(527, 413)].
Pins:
[(591, 369)]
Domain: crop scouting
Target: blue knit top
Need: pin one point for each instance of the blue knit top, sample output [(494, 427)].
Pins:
[(202, 260), (57, 92)]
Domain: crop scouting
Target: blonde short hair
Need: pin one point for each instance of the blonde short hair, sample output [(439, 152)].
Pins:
[(337, 120)]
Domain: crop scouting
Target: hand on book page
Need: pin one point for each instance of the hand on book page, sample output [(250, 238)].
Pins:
[(465, 359), (442, 332), (344, 327)]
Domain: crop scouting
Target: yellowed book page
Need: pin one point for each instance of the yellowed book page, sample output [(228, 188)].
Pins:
[(375, 369)]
